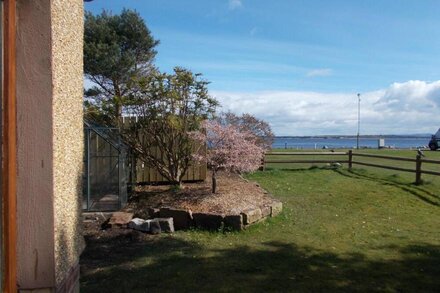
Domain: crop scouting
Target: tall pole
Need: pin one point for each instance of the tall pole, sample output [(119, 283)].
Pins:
[(359, 120)]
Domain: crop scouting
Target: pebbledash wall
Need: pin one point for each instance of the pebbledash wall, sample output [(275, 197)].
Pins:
[(50, 144)]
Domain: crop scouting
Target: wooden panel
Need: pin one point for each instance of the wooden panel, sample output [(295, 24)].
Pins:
[(303, 161), (306, 153), (430, 172), (384, 157), (9, 170), (195, 172), (430, 161), (385, 167)]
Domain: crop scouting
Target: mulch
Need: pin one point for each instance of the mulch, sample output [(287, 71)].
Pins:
[(234, 195)]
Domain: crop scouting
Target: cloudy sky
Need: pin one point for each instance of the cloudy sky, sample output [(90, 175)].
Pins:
[(300, 64)]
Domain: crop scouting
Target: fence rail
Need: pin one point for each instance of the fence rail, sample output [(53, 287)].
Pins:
[(307, 153), (350, 161)]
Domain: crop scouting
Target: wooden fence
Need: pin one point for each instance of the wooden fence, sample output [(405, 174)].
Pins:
[(147, 175), (350, 159), (103, 167)]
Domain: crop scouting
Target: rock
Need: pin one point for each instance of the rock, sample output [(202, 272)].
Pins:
[(166, 224), (153, 212), (208, 221), (135, 223), (155, 227), (234, 222), (182, 219), (276, 208), (251, 216), (146, 226), (120, 219), (140, 225), (336, 165), (265, 211)]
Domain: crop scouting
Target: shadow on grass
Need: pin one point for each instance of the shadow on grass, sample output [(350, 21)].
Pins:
[(416, 190), (167, 263)]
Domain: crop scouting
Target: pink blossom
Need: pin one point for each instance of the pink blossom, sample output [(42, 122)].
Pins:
[(228, 148)]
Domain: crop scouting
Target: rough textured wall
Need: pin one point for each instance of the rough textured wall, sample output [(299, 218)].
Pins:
[(50, 141), (35, 220), (67, 80)]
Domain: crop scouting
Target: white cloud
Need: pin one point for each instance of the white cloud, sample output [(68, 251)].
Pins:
[(414, 94), (402, 108), (234, 4), (319, 72)]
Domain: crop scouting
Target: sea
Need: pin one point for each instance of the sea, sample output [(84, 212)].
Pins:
[(342, 142)]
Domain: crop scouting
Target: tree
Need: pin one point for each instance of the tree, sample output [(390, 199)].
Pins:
[(247, 122), (167, 109), (117, 48), (229, 148)]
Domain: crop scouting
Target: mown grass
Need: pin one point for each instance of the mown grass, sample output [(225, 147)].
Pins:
[(340, 230), (401, 177)]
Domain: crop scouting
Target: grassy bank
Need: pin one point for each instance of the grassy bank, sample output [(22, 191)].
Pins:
[(362, 230)]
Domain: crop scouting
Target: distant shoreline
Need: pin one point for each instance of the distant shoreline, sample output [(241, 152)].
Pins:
[(417, 136), (350, 141)]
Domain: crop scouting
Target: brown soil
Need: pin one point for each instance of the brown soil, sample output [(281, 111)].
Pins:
[(234, 195)]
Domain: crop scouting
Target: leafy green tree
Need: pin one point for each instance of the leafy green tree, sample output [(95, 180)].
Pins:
[(117, 48), (165, 110)]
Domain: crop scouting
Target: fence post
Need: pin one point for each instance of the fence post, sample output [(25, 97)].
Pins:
[(419, 169), (262, 163), (350, 159)]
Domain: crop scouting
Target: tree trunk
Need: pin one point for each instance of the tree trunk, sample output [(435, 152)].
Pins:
[(118, 105), (214, 182)]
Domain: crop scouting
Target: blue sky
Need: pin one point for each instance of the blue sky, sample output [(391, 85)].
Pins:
[(299, 64)]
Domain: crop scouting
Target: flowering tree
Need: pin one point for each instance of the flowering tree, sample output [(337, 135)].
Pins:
[(247, 122), (229, 149)]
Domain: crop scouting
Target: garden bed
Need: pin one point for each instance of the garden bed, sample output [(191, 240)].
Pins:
[(237, 203)]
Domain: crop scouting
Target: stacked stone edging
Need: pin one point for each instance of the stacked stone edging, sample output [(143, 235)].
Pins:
[(182, 218), (185, 219), (168, 219)]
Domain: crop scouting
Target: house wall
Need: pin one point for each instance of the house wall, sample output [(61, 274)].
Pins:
[(68, 144), (35, 219), (50, 143)]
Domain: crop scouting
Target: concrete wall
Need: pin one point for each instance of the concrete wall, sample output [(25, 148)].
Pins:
[(50, 141)]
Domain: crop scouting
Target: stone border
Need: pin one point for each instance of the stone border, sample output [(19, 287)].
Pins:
[(185, 219), (167, 219)]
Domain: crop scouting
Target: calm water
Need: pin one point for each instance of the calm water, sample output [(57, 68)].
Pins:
[(337, 143)]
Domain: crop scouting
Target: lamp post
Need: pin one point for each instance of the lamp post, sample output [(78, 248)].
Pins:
[(359, 120)]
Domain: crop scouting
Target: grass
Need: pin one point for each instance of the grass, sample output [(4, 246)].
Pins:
[(340, 230)]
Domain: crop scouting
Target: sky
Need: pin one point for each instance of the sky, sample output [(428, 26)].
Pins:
[(299, 65)]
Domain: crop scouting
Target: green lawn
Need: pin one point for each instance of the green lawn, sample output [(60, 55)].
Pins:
[(359, 230)]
